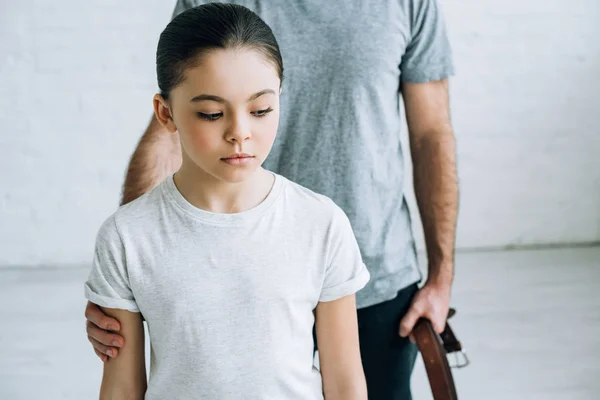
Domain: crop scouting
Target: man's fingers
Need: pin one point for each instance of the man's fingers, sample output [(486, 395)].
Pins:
[(438, 325), (408, 322), (102, 349), (94, 314), (101, 356), (439, 322), (103, 337)]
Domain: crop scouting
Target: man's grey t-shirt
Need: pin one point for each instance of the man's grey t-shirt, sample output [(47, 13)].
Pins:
[(339, 135), (228, 298)]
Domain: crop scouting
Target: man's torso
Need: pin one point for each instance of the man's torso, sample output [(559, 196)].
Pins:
[(340, 122)]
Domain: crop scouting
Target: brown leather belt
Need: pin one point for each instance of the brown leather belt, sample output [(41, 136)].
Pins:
[(434, 349)]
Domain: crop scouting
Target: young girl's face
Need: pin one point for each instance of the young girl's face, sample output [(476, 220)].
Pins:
[(227, 112)]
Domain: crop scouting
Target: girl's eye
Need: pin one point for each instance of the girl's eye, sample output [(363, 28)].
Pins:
[(262, 113), (210, 117), (216, 116)]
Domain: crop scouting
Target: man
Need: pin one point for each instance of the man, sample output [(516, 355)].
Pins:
[(346, 64)]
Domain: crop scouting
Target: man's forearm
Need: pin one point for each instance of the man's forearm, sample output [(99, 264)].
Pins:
[(158, 154), (436, 191)]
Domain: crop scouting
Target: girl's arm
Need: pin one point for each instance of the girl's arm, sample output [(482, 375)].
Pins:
[(339, 351), (125, 376)]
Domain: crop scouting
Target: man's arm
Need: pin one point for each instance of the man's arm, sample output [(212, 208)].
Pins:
[(158, 155), (432, 145), (339, 350), (125, 377)]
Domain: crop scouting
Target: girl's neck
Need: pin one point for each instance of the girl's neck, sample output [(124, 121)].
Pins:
[(208, 193)]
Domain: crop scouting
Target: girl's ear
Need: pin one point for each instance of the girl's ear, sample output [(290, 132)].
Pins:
[(163, 113)]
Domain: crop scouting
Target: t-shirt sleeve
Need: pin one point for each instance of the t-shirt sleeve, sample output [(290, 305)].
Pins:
[(428, 56), (108, 282), (345, 273)]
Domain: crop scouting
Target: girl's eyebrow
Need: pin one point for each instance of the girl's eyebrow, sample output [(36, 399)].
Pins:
[(211, 97), (258, 94)]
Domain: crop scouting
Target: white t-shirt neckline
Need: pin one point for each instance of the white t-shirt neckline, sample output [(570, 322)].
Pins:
[(170, 189)]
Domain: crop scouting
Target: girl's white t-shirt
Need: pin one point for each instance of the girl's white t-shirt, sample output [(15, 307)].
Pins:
[(228, 298)]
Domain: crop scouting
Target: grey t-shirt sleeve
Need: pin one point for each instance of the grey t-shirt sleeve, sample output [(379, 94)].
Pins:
[(346, 273), (428, 55), (108, 281)]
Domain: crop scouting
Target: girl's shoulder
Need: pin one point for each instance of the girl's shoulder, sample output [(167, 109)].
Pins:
[(137, 215), (310, 202)]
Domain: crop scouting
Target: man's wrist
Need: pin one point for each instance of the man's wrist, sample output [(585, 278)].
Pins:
[(441, 274)]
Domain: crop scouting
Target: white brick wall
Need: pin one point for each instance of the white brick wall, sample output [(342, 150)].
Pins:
[(526, 109), (77, 80)]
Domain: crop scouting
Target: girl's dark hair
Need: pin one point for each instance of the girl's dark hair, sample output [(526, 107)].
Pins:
[(208, 27)]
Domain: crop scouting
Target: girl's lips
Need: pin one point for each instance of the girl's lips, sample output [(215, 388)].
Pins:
[(238, 155), (237, 160)]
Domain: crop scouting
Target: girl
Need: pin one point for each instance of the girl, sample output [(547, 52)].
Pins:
[(229, 264)]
